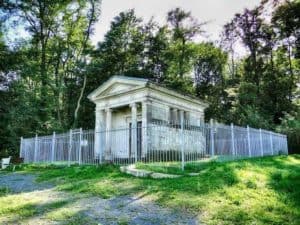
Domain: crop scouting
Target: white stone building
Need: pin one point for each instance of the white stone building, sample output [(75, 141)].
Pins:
[(135, 116)]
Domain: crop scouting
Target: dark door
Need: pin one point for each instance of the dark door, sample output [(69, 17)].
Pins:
[(139, 140)]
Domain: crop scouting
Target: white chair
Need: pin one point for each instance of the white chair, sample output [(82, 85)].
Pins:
[(5, 162)]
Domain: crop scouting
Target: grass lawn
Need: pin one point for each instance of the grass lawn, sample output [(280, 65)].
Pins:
[(251, 191)]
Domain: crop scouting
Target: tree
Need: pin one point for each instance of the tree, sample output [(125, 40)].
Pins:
[(156, 46), (59, 37), (39, 18), (248, 28), (209, 64), (92, 17), (122, 48), (228, 43), (285, 20), (183, 28), (46, 77), (52, 64), (290, 125), (18, 102)]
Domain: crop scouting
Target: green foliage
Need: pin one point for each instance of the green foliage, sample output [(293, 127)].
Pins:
[(183, 29), (4, 191), (48, 67), (209, 63), (38, 74), (253, 117), (291, 126)]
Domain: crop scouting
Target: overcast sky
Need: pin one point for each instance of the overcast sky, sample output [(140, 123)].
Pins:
[(217, 12)]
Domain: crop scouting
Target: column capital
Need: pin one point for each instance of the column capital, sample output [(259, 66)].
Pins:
[(168, 107), (108, 110), (99, 109), (133, 105), (145, 104), (146, 101)]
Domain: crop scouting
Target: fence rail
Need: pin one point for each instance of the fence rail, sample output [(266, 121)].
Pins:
[(157, 142)]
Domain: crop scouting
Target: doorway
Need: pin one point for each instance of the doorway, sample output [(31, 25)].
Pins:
[(138, 141)]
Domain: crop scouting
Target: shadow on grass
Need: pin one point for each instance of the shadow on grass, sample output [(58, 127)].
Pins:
[(29, 210), (107, 180), (285, 180), (212, 176), (281, 172), (283, 176)]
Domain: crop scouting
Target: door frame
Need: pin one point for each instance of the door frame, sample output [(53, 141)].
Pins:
[(139, 140)]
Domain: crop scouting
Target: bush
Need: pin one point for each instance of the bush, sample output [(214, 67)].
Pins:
[(290, 126)]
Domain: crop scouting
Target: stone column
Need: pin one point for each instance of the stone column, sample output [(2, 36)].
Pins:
[(99, 143), (108, 152), (145, 129), (180, 117), (169, 112), (133, 129), (175, 117), (201, 119), (186, 118), (182, 144)]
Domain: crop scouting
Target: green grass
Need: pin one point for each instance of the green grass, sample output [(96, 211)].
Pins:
[(4, 191), (175, 167), (250, 191)]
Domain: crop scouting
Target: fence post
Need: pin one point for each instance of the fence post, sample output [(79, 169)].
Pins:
[(79, 151), (286, 144), (70, 148), (271, 142), (53, 147), (21, 147), (212, 137), (181, 138), (249, 142), (35, 147), (232, 140), (261, 143), (101, 136)]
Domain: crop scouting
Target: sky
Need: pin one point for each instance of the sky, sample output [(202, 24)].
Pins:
[(215, 12)]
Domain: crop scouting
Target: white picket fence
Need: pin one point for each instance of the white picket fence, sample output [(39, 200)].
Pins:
[(158, 142)]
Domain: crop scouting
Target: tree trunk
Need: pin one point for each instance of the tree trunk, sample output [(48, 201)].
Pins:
[(181, 60), (79, 102), (92, 20), (43, 72)]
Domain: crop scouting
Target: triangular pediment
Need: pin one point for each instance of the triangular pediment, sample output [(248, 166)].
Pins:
[(117, 88), (117, 85)]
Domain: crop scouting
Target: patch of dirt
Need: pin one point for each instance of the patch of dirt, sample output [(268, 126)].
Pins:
[(19, 182), (133, 210)]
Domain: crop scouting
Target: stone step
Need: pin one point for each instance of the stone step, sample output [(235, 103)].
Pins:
[(130, 169)]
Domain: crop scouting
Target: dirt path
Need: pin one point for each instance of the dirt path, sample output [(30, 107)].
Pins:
[(18, 182), (54, 207)]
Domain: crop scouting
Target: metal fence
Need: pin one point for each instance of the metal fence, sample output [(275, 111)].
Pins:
[(158, 142)]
